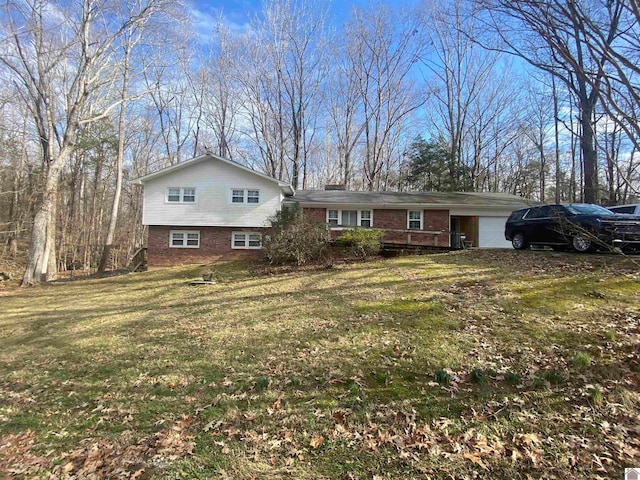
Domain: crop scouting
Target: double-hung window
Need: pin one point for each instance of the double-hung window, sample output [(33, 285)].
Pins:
[(184, 239), (350, 218), (246, 240), (181, 195), (414, 220), (365, 218), (245, 196)]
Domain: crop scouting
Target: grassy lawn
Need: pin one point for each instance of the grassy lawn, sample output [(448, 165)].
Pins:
[(476, 364)]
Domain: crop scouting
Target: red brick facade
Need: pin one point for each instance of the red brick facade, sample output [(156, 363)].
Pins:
[(215, 243), (435, 226), (317, 214)]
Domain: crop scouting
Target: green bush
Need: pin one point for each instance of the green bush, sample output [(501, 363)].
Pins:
[(363, 242), (295, 238)]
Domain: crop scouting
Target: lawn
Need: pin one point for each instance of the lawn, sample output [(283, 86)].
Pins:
[(474, 364)]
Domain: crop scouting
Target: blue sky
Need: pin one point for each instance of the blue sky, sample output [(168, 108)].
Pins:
[(237, 13)]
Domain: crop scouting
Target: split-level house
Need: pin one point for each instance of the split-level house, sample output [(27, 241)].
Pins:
[(208, 207)]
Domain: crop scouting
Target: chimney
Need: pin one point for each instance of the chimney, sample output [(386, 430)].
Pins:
[(337, 186)]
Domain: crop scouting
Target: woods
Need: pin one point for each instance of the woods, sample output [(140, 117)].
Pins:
[(538, 99)]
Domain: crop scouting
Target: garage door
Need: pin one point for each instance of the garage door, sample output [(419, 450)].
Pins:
[(491, 232)]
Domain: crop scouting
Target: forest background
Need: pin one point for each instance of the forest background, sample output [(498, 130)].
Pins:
[(538, 99)]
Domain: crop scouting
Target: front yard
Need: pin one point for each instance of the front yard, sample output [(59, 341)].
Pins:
[(474, 364)]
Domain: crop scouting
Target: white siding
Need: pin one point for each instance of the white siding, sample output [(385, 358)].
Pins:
[(491, 232), (213, 181)]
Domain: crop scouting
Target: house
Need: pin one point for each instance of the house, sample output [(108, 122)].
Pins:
[(208, 207), (417, 218)]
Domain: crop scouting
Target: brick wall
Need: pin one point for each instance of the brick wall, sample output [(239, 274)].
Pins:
[(317, 214), (396, 219), (436, 220), (215, 243), (389, 218)]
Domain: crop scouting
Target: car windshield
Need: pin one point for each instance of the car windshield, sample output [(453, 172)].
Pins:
[(587, 209)]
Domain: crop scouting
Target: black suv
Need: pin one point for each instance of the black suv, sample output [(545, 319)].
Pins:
[(581, 226)]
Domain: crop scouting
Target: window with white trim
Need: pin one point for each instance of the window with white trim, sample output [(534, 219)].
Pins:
[(246, 240), (333, 217), (184, 239), (350, 218), (245, 196), (365, 218), (414, 219), (253, 196), (181, 195)]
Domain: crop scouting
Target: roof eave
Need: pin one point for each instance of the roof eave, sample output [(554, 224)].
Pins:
[(409, 205), (286, 188)]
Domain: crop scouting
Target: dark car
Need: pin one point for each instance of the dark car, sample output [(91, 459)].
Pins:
[(581, 226)]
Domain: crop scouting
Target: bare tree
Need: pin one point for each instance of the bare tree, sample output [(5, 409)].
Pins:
[(130, 38), (384, 48), (471, 95), (58, 55), (280, 73), (549, 35)]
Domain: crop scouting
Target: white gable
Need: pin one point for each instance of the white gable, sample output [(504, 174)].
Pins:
[(213, 180)]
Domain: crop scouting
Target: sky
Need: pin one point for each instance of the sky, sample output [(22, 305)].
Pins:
[(237, 13)]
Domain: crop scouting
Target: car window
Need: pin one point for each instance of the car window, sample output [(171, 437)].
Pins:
[(517, 215), (628, 209), (539, 212), (588, 209), (557, 211)]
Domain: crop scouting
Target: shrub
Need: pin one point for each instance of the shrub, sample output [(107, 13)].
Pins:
[(295, 238), (363, 242)]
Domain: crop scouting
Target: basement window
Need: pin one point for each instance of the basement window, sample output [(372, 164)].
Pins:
[(184, 239), (246, 240)]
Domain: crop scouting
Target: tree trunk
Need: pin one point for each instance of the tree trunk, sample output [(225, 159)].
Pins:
[(42, 244), (589, 154), (115, 207)]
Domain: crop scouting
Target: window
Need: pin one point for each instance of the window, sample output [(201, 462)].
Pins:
[(188, 195), (181, 195), (173, 195), (631, 209), (237, 196), (365, 218), (415, 220), (350, 218), (184, 239), (240, 195), (253, 196), (246, 240)]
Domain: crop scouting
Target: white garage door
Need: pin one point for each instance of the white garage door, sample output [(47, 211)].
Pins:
[(491, 232)]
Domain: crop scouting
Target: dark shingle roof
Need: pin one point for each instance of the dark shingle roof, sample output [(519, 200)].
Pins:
[(398, 199)]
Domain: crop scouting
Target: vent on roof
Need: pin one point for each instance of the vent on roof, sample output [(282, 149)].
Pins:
[(338, 186)]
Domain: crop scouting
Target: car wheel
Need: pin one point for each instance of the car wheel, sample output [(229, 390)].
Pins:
[(582, 243), (518, 241)]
